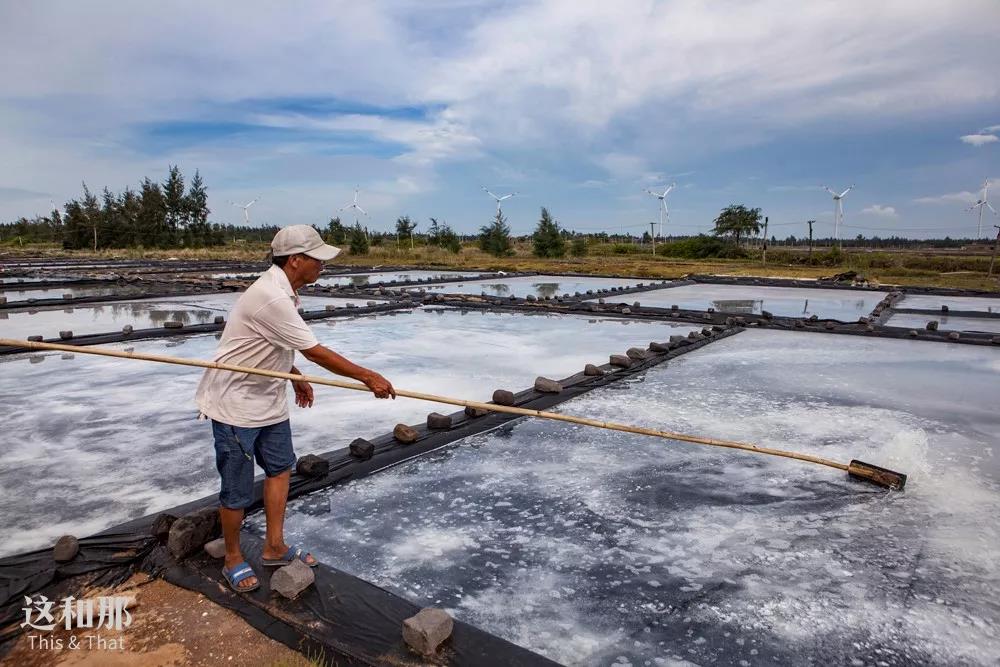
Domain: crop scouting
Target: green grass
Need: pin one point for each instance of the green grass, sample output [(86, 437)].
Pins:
[(925, 268)]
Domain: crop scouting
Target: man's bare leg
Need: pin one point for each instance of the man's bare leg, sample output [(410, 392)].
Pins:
[(232, 521), (275, 498)]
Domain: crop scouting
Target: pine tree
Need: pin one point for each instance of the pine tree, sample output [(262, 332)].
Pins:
[(547, 240), (152, 214), (494, 238), (92, 214), (449, 240), (196, 212), (336, 233), (176, 217), (56, 225), (129, 209), (359, 240), (434, 233), (579, 247), (442, 235), (111, 235), (75, 220)]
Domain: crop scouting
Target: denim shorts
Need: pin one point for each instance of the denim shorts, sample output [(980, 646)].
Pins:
[(236, 448)]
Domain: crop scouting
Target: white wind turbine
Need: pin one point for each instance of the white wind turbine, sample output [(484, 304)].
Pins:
[(498, 198), (838, 210), (981, 204), (664, 213), (246, 209), (357, 207)]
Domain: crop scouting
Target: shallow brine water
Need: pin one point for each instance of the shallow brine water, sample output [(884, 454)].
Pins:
[(539, 286), (111, 316), (946, 322), (603, 548), (13, 293), (784, 301), (934, 302), (375, 278), (89, 442)]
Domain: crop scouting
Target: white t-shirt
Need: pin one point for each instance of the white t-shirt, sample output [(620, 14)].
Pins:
[(263, 331)]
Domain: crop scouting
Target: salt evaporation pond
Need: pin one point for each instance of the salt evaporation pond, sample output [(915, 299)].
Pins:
[(375, 278), (946, 322), (604, 548), (90, 442), (539, 286), (786, 301), (111, 316), (934, 302)]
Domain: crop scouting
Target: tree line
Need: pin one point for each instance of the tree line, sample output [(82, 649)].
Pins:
[(170, 215), (156, 215)]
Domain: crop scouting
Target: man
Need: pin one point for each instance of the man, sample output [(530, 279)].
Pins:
[(249, 413)]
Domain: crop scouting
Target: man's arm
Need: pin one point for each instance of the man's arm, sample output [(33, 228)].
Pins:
[(333, 362)]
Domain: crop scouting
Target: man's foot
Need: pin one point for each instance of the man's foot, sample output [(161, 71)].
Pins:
[(284, 554), (240, 576)]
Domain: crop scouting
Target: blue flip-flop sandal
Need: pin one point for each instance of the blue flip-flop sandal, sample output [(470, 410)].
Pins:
[(238, 573), (290, 555)]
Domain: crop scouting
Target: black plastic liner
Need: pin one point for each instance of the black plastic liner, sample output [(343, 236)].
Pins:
[(340, 619), (341, 616)]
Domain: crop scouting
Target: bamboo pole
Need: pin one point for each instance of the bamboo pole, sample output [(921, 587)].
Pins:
[(875, 474)]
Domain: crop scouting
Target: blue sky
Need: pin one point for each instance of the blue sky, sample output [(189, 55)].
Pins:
[(578, 106)]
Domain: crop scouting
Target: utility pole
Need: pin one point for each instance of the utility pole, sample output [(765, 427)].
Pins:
[(993, 260), (652, 235), (810, 223), (765, 240)]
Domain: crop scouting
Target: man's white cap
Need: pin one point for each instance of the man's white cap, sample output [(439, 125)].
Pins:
[(296, 239)]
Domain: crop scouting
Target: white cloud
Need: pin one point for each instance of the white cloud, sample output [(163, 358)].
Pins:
[(979, 139), (881, 211), (963, 197), (991, 129)]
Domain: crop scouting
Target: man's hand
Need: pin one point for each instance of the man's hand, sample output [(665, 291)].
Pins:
[(303, 393), (381, 387)]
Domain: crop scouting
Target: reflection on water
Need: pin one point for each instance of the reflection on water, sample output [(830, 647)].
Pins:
[(58, 292), (540, 286), (781, 301), (546, 289)]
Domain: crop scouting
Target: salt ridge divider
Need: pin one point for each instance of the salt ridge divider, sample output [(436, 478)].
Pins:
[(349, 604)]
